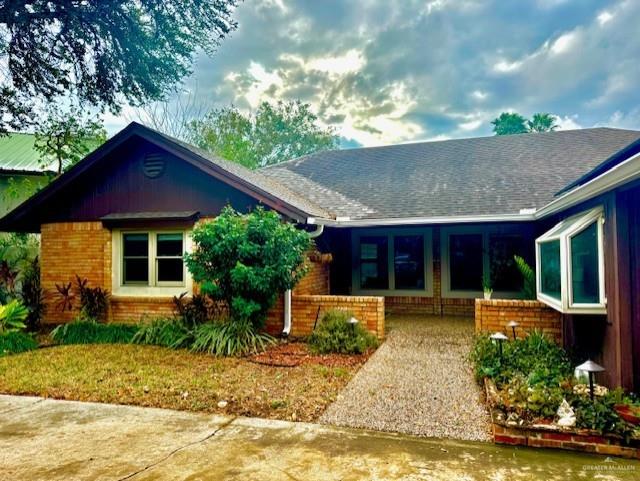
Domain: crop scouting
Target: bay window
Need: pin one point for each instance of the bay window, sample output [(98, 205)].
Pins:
[(570, 265)]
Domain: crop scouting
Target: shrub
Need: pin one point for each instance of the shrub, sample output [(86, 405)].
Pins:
[(12, 316), (168, 332), (535, 357), (14, 342), (230, 338), (334, 334), (600, 413), (90, 332), (246, 261), (16, 251), (94, 301), (32, 295), (196, 309)]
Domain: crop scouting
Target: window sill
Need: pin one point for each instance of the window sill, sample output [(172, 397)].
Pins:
[(150, 291)]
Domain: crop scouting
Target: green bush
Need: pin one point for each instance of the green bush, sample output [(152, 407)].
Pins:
[(246, 260), (32, 294), (600, 413), (168, 332), (528, 276), (335, 335), (91, 332), (229, 338), (12, 316), (535, 357), (14, 342)]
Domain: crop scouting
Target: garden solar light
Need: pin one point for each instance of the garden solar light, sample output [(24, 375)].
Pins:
[(353, 321), (590, 367), (513, 325), (499, 338)]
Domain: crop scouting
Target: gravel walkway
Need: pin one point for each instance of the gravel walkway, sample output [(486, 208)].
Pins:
[(418, 382)]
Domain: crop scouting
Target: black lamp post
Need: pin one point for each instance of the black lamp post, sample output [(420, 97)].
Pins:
[(591, 368), (499, 338), (513, 325)]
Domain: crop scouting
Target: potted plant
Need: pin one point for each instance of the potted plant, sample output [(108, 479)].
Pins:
[(486, 287)]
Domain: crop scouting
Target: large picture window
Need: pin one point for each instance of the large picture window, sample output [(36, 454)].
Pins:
[(570, 265), (472, 255), (392, 262)]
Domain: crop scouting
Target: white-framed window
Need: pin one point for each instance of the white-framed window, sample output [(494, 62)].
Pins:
[(570, 265), (150, 262), (471, 254), (392, 262)]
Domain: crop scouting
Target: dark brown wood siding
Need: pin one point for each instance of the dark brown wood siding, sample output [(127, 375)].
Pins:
[(118, 184)]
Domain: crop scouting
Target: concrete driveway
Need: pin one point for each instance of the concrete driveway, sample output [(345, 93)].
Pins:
[(64, 440)]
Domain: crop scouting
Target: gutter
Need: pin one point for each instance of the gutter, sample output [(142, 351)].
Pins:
[(286, 330)]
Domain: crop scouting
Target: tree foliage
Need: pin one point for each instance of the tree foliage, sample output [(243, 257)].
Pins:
[(247, 260), (102, 51), (273, 134), (509, 123), (63, 138)]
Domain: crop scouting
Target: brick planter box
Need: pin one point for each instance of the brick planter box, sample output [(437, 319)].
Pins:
[(556, 437), (494, 314)]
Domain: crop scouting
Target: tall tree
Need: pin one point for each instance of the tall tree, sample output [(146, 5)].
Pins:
[(63, 138), (513, 123), (273, 134), (103, 52), (509, 123), (542, 122)]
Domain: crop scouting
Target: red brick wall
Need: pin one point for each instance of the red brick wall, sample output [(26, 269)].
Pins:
[(317, 279), (493, 315), (369, 310), (67, 249)]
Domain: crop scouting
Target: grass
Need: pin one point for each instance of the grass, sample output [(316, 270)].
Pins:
[(174, 379)]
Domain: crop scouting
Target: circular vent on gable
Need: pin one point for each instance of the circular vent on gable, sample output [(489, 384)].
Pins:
[(153, 165)]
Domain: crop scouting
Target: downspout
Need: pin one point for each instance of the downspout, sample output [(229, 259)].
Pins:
[(287, 294)]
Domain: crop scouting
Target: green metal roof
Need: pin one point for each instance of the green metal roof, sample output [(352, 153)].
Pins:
[(18, 154)]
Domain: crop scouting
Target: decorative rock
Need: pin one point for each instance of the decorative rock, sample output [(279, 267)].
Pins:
[(222, 404), (566, 415)]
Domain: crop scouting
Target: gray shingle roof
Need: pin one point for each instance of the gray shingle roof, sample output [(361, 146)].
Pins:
[(477, 176)]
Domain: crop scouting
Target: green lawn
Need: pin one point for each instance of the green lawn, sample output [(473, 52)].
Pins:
[(176, 379)]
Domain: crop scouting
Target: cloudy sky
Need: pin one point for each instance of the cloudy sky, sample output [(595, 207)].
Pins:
[(384, 71)]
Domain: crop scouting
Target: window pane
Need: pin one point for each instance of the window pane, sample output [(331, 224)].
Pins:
[(374, 267), (136, 270), (505, 275), (169, 245), (136, 245), (170, 270), (408, 261), (585, 277), (465, 262), (550, 268)]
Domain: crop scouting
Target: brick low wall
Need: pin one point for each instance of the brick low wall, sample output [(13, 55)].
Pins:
[(429, 305), (369, 310), (494, 315), (544, 437)]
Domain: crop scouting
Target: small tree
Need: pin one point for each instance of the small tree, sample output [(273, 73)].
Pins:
[(64, 138), (247, 260)]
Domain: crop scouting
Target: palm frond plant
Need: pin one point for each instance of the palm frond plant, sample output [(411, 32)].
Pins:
[(12, 317)]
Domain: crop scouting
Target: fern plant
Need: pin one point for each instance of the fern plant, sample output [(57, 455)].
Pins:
[(529, 276)]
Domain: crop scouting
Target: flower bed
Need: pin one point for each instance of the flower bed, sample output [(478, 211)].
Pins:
[(536, 400)]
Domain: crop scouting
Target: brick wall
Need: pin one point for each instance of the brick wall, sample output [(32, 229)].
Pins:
[(493, 315), (317, 279), (134, 309), (305, 309), (67, 249)]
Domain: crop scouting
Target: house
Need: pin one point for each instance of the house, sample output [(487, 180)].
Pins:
[(21, 171), (413, 227)]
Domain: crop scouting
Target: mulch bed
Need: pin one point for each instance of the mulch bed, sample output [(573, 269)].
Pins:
[(291, 354)]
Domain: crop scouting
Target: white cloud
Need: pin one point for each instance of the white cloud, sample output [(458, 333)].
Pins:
[(604, 17), (568, 122), (564, 43)]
